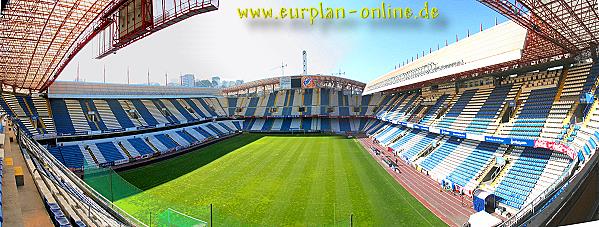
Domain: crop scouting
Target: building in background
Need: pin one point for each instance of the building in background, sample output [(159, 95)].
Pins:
[(216, 81), (188, 80), (203, 83)]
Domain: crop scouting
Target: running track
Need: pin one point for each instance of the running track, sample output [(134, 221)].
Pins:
[(445, 205)]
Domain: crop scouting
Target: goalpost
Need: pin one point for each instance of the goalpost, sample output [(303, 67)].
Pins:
[(297, 131)]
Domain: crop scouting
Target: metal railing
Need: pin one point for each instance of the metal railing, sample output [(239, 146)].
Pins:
[(110, 210)]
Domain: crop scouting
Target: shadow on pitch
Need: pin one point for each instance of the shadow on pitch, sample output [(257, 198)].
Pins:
[(155, 174)]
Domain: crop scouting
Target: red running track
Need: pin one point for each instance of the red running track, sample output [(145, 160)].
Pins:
[(452, 209)]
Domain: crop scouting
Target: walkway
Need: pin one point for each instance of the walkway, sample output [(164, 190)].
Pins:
[(22, 206)]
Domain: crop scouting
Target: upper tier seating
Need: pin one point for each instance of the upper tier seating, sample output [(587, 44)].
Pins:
[(553, 128), (585, 138), (399, 107), (485, 120), (533, 112), (304, 124), (592, 78), (575, 80), (369, 103), (456, 109), (433, 111), (476, 110), (300, 102)]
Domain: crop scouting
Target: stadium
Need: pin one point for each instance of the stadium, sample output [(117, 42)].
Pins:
[(492, 130)]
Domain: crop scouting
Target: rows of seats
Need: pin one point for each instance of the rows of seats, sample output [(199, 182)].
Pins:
[(300, 102), (43, 114), (465, 173), (373, 126), (532, 115), (585, 138), (534, 79), (446, 148), (485, 119), (305, 124), (121, 150), (476, 110), (462, 161), (369, 103), (575, 80), (399, 107), (80, 121), (441, 162), (409, 147), (434, 110), (66, 204), (73, 116), (24, 112), (591, 80), (456, 109), (389, 134), (39, 116), (553, 129), (532, 170), (31, 117)]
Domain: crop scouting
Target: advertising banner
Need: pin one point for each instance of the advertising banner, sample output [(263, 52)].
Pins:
[(522, 142), (494, 139), (558, 147), (285, 82), (308, 82)]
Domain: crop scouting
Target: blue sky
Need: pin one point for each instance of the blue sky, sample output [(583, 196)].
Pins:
[(219, 43)]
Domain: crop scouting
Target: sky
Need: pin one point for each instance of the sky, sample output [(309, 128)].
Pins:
[(218, 43)]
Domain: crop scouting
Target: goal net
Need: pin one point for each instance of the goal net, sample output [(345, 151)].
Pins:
[(108, 183)]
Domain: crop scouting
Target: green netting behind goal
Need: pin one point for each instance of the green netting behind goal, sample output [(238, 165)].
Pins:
[(108, 183), (174, 218)]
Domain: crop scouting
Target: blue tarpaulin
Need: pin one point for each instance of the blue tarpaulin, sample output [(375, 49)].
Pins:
[(483, 201)]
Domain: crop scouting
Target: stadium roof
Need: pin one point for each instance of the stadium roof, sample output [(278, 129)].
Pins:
[(38, 38), (491, 49), (70, 89), (320, 80), (566, 26), (555, 30)]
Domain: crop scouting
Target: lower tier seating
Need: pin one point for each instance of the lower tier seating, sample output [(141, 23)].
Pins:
[(336, 125), (464, 162), (119, 150), (532, 170)]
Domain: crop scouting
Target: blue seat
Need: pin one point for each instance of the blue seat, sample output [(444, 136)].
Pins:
[(168, 142)]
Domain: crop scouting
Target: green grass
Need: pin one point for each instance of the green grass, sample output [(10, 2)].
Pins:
[(256, 180)]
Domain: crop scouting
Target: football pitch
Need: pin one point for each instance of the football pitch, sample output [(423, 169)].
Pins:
[(276, 180)]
